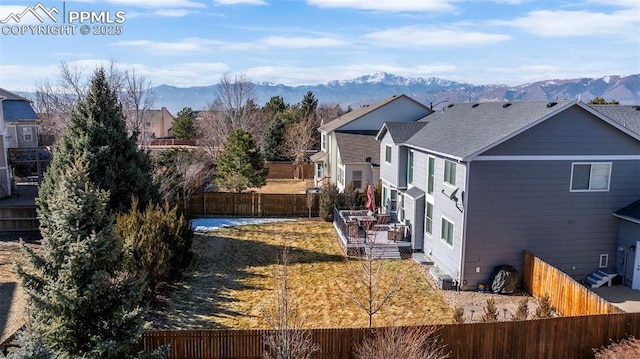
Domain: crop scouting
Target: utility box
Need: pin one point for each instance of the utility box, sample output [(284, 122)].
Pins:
[(445, 282)]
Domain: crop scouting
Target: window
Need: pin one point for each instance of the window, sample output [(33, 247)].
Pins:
[(590, 177), (319, 170), (340, 176), (450, 172), (356, 178), (394, 199), (447, 231), (385, 196), (323, 145), (410, 168), (428, 219), (387, 155), (27, 134), (604, 260), (431, 174)]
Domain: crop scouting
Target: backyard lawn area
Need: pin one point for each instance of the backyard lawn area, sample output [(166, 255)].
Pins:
[(230, 282)]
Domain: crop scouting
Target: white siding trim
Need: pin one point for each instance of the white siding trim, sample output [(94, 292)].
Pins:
[(560, 158)]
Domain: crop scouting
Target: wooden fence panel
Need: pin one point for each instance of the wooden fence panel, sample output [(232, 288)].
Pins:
[(251, 205), (563, 337), (567, 296)]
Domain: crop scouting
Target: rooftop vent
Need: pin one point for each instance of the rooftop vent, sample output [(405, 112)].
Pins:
[(450, 106), (551, 104), (637, 108), (506, 105), (475, 105)]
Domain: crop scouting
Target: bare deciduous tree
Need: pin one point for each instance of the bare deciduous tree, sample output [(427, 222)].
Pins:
[(179, 173), (402, 342), (137, 100), (299, 138), (371, 284), (288, 339), (234, 107)]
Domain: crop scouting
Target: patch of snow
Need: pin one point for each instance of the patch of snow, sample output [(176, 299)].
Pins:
[(606, 79), (202, 225)]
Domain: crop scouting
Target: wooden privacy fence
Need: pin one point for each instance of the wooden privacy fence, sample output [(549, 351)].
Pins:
[(567, 296), (252, 205), (563, 337)]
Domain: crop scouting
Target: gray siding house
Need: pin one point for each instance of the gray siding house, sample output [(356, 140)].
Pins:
[(480, 183), (349, 151)]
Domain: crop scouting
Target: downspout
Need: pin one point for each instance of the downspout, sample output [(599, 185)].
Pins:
[(465, 199)]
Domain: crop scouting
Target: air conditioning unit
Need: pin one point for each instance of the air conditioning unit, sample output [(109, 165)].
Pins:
[(445, 282)]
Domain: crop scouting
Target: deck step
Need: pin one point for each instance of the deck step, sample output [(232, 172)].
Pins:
[(384, 252), (599, 278)]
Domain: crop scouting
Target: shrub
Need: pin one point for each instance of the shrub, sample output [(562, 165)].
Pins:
[(626, 348), (523, 310), (458, 315), (490, 312), (328, 200), (157, 241), (545, 309), (405, 343)]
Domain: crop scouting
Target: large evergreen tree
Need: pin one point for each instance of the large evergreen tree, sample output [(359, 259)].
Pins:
[(272, 145), (96, 135), (241, 164), (82, 305), (184, 126)]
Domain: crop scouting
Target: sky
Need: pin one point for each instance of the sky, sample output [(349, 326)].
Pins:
[(189, 43)]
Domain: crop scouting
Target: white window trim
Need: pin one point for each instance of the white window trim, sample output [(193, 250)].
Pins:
[(444, 171), (323, 142), (430, 235), (430, 196), (411, 160), (591, 190), (387, 147), (453, 238), (604, 260)]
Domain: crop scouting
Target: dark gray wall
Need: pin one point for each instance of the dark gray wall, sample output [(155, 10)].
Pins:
[(628, 235)]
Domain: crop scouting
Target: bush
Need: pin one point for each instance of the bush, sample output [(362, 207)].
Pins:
[(402, 343), (157, 242), (626, 348), (458, 314), (329, 199), (523, 310), (545, 309), (490, 312)]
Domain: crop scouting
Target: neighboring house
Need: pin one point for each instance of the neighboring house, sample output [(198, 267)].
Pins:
[(477, 184), (158, 123), (349, 151), (19, 129)]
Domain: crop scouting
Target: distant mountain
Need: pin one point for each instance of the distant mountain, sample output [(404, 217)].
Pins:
[(371, 88)]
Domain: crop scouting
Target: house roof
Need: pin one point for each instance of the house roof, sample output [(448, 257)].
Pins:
[(355, 148), (414, 192), (627, 116), (156, 115), (400, 132), (462, 130), (630, 212), (359, 112), (18, 110), (318, 156), (8, 95)]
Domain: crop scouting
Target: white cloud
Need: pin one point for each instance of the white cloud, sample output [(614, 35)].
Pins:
[(556, 23), (301, 42), (411, 36), (187, 46), (386, 5), (239, 2), (172, 12)]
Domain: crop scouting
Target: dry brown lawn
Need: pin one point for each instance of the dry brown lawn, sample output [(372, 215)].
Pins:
[(230, 282), (284, 186), (12, 298)]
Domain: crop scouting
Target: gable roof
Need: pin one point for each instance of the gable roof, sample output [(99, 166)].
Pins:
[(156, 115), (463, 130), (15, 107), (400, 132), (361, 111), (630, 212), (627, 116), (355, 148), (8, 95)]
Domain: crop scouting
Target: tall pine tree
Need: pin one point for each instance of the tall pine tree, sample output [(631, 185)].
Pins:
[(241, 164), (81, 303), (184, 126), (97, 135)]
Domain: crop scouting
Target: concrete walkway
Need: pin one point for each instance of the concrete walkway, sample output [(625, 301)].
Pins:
[(621, 296)]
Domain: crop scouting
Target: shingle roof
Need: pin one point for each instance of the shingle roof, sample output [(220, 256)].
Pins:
[(631, 211), (414, 192), (8, 95), (355, 148), (464, 129), (400, 132), (359, 112), (17, 110), (627, 116)]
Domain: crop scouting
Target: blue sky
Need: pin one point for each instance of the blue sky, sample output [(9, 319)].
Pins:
[(193, 42)]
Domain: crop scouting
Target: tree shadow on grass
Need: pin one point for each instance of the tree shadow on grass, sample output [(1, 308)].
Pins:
[(221, 265)]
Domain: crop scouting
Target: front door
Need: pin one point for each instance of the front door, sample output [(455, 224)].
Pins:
[(636, 269)]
